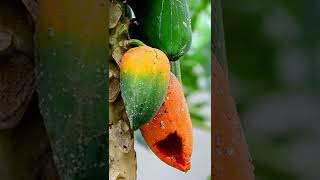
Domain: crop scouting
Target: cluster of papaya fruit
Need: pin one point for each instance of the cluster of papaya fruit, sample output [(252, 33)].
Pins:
[(149, 79), (71, 79)]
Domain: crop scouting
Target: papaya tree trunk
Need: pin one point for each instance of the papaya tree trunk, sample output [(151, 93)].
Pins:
[(122, 157), (230, 159)]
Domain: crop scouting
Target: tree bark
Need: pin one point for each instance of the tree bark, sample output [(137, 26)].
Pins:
[(25, 152), (122, 157), (230, 157)]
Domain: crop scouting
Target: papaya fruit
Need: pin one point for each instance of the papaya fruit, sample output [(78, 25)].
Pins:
[(165, 24), (72, 68), (169, 133), (144, 80)]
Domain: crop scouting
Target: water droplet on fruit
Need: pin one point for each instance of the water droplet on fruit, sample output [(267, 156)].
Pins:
[(162, 125)]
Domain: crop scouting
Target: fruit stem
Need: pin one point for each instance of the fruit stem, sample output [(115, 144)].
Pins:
[(134, 42), (175, 69)]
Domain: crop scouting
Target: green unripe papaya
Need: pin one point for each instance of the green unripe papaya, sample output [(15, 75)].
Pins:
[(165, 25), (144, 80)]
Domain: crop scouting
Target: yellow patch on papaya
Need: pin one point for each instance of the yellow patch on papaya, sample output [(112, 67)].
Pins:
[(150, 60)]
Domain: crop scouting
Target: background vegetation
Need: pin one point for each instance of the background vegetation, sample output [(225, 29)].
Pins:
[(196, 65), (273, 58)]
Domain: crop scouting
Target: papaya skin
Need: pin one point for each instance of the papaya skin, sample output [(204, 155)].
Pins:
[(144, 80), (165, 24), (148, 59), (169, 133)]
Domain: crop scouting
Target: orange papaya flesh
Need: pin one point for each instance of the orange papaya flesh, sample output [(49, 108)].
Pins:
[(169, 133)]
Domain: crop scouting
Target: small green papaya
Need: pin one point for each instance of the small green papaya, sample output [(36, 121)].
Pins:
[(165, 25), (144, 80)]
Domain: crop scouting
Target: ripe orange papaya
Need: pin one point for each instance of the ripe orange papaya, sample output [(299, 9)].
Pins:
[(169, 133)]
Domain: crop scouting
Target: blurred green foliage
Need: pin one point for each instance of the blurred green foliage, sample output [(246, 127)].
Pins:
[(196, 65), (272, 47)]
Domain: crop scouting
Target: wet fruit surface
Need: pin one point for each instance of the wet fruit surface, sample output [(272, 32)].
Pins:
[(144, 79), (169, 133), (165, 25)]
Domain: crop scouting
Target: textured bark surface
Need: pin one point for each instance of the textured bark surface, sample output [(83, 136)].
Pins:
[(218, 43), (122, 157), (72, 70), (16, 62), (25, 151), (24, 147), (230, 157)]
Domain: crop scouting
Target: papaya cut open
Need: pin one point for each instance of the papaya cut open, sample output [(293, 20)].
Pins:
[(169, 133), (171, 146)]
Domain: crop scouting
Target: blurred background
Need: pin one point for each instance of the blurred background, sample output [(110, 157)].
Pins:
[(196, 79), (273, 57)]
